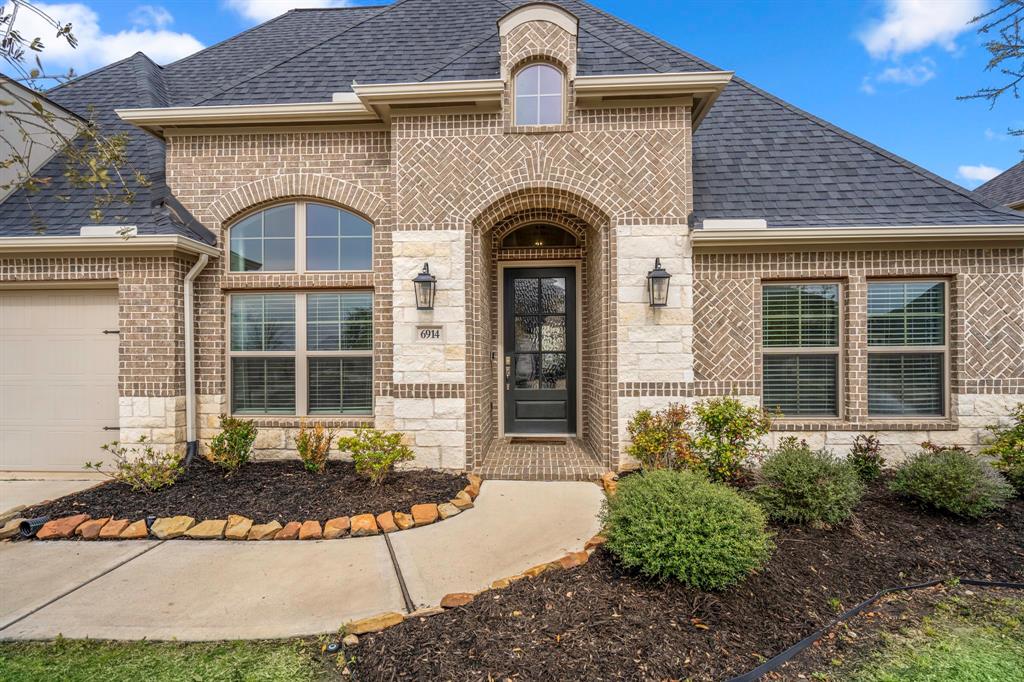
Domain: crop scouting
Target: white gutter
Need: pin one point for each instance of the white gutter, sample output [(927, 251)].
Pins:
[(934, 236), (120, 245), (192, 443)]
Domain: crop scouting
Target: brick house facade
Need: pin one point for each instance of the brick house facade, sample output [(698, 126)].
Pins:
[(445, 173)]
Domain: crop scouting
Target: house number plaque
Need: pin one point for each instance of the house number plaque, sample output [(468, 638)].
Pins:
[(428, 334)]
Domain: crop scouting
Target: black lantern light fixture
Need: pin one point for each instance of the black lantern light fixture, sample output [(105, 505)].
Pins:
[(425, 285), (657, 285)]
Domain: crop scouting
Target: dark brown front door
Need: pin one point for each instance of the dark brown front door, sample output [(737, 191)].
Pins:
[(540, 350)]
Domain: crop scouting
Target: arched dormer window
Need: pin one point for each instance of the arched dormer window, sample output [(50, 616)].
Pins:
[(539, 95), (538, 235), (304, 236)]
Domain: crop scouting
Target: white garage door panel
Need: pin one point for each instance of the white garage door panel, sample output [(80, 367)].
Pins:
[(58, 377)]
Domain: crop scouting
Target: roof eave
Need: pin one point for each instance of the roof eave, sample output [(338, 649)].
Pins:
[(827, 237), (122, 246)]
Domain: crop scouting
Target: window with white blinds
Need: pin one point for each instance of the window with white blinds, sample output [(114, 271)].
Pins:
[(801, 346), (907, 348), (304, 353)]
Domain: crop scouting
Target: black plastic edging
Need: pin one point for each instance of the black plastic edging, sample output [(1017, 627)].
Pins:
[(777, 661)]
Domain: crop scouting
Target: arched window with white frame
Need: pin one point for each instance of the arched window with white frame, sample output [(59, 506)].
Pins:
[(539, 95)]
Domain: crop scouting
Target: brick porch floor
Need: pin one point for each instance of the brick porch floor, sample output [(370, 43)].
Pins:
[(542, 460)]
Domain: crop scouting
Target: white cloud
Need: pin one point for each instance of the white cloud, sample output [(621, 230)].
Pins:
[(151, 16), (918, 74), (977, 174), (912, 25), (97, 47), (866, 86), (262, 10)]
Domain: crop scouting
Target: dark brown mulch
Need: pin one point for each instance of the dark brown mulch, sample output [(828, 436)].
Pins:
[(262, 491), (599, 622)]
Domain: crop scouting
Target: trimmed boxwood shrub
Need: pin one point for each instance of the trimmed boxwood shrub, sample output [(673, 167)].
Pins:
[(800, 485), (678, 525), (952, 480)]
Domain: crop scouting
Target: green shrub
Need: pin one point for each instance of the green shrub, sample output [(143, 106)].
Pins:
[(866, 457), (726, 436), (952, 480), (140, 467), (375, 452), (232, 447), (659, 439), (314, 446), (800, 485), (1007, 447), (678, 525)]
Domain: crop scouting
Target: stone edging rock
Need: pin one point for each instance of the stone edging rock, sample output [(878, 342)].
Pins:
[(382, 621), (241, 528)]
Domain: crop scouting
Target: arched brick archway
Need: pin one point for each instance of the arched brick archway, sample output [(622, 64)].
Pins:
[(594, 259), (294, 185)]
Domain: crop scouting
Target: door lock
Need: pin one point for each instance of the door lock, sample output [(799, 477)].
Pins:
[(508, 371)]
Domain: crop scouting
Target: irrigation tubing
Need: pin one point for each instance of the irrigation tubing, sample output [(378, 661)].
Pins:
[(777, 661)]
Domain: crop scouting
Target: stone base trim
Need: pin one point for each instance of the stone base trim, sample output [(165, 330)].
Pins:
[(428, 390), (241, 528)]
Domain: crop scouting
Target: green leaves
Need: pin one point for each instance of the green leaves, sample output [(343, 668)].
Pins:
[(232, 447), (375, 452), (952, 480), (141, 467)]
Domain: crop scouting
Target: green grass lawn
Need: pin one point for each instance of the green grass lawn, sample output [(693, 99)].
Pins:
[(160, 661), (966, 639)]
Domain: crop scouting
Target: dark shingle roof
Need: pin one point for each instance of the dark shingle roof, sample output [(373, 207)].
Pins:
[(755, 156), (1007, 188), (60, 209)]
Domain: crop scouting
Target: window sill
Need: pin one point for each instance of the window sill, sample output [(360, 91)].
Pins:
[(293, 422), (867, 425), (539, 130)]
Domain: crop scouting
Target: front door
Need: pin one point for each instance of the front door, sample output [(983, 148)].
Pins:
[(540, 350)]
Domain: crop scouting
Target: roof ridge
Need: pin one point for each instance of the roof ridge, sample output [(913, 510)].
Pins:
[(229, 39), (871, 147), (97, 70), (334, 9), (253, 74)]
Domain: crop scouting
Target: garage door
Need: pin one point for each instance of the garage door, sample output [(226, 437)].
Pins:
[(58, 377)]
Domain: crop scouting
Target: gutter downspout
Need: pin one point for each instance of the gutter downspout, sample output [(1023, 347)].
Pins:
[(192, 443)]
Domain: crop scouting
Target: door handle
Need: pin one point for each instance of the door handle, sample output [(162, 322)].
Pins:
[(508, 371)]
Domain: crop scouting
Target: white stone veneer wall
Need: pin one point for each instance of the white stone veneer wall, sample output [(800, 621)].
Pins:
[(974, 412), (160, 420), (654, 344)]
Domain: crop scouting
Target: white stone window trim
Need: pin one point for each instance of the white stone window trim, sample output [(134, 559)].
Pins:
[(561, 94), (838, 350), (301, 356), (300, 239), (944, 350)]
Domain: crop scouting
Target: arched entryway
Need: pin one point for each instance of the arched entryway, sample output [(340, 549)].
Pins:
[(541, 349)]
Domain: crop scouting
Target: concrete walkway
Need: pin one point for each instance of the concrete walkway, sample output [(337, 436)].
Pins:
[(191, 590), (26, 489)]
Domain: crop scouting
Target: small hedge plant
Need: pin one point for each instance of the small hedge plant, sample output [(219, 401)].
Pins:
[(678, 525), (232, 447), (375, 452), (141, 467), (719, 437), (659, 439), (866, 457), (1006, 446), (951, 480), (799, 485), (314, 446)]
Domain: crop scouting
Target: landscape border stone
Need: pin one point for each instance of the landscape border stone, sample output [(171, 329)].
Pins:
[(240, 528)]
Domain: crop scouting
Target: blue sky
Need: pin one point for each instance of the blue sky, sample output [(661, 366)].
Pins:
[(887, 70)]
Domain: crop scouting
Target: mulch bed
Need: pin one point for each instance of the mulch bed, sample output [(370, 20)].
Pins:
[(599, 622), (262, 491)]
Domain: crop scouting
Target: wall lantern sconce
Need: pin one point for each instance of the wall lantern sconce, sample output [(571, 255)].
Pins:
[(425, 285), (657, 285)]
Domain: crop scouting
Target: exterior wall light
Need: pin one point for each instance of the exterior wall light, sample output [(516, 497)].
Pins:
[(425, 285), (657, 285)]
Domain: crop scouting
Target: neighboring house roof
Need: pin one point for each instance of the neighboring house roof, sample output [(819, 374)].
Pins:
[(1007, 188), (755, 156)]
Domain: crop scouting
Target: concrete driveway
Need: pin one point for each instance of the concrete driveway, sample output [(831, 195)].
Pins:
[(27, 489), (194, 590)]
